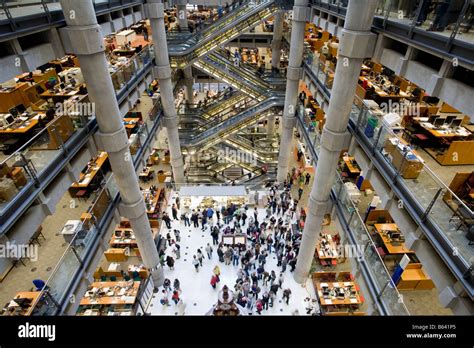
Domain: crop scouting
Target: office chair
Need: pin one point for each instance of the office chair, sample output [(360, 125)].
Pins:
[(113, 278), (103, 278), (39, 284)]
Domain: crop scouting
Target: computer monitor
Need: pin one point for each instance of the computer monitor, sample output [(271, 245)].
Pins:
[(394, 235), (20, 108), (450, 119), (439, 122), (13, 112), (9, 119), (432, 119), (456, 123)]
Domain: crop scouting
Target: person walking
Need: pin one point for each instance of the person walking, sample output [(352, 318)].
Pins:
[(209, 251), (164, 298), (300, 193), (196, 263), (272, 277), (286, 295), (200, 257), (271, 298), (174, 211), (167, 284), (170, 262), (167, 220), (308, 178), (228, 256)]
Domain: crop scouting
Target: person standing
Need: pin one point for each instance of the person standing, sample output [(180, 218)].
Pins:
[(271, 297), (220, 254), (265, 299), (259, 307), (215, 235), (204, 220), (177, 251), (214, 281), (235, 257), (286, 295), (195, 219), (284, 262), (308, 178), (170, 262), (196, 263), (177, 285), (177, 235), (281, 278), (186, 219), (209, 251), (175, 297)]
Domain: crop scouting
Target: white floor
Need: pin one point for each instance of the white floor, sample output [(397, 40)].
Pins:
[(197, 293)]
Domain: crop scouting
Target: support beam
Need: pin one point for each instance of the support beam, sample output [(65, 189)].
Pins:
[(182, 14), (88, 40), (295, 72), (357, 43), (277, 41), (188, 84), (155, 12)]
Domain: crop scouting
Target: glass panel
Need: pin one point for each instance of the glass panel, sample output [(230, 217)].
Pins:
[(464, 31)]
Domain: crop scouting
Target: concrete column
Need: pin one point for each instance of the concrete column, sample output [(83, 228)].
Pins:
[(271, 126), (55, 40), (277, 40), (188, 84), (182, 14), (436, 81), (88, 40), (357, 43), (295, 72), (155, 12), (20, 56)]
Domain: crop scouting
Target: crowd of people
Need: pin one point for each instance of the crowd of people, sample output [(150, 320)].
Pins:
[(257, 286)]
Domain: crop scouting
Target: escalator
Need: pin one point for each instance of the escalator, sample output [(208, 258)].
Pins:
[(263, 156), (249, 71), (224, 30), (228, 74), (226, 127)]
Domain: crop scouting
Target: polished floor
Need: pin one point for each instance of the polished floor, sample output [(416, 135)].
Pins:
[(198, 295)]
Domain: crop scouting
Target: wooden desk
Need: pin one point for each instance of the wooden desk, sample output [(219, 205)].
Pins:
[(84, 183), (21, 128), (336, 301), (392, 249), (353, 169), (33, 295), (62, 94), (130, 124), (381, 93), (142, 271), (151, 201), (415, 279), (11, 97), (331, 253), (119, 242), (113, 296), (437, 133)]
